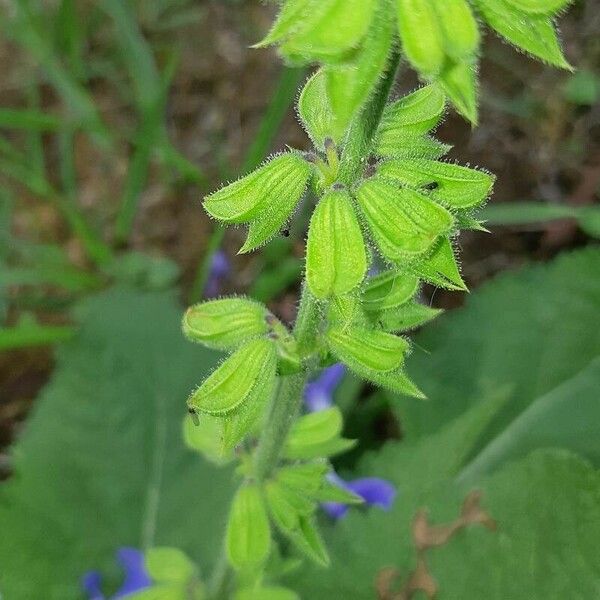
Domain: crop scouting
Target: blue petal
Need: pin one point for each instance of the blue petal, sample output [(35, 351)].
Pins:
[(220, 267), (336, 510), (91, 583), (318, 394), (374, 491), (136, 577)]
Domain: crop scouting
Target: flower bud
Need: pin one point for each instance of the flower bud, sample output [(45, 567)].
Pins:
[(440, 267), (403, 223), (456, 187), (336, 260), (389, 290), (226, 323)]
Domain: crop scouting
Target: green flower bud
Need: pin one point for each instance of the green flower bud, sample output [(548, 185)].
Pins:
[(459, 81), (169, 565), (389, 290), (406, 317), (340, 28), (394, 144), (317, 435), (281, 181), (206, 436), (248, 537), (361, 348), (533, 33), (315, 111), (422, 40), (441, 268), (349, 84), (459, 27), (225, 323), (455, 186), (229, 386), (540, 7), (403, 223), (336, 260)]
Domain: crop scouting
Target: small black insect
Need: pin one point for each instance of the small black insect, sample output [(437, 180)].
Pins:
[(285, 232), (194, 416), (434, 185)]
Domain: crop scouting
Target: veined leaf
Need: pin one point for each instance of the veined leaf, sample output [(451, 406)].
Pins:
[(389, 290), (396, 145), (362, 349), (281, 181), (225, 323), (336, 261), (229, 386), (531, 32), (248, 536), (402, 222), (458, 26), (456, 186), (459, 81), (441, 268), (422, 39), (406, 317)]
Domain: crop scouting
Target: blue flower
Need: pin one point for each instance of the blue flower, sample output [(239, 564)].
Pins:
[(136, 578), (219, 268), (373, 490), (318, 394)]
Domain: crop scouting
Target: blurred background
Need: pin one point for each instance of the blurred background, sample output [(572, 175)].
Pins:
[(114, 123)]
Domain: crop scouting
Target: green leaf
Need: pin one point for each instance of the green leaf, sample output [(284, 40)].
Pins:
[(440, 267), (367, 349), (350, 84), (543, 7), (565, 417), (281, 181), (205, 435), (459, 81), (169, 565), (315, 111), (533, 33), (528, 331), (101, 458), (403, 222), (229, 386), (421, 37), (389, 290), (336, 261), (340, 28), (458, 26), (225, 323), (248, 538), (457, 187), (267, 593)]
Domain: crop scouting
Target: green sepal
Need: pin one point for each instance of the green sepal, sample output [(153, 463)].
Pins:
[(340, 29), (288, 354), (169, 591), (367, 349), (403, 223), (243, 421), (231, 384), (243, 200), (409, 316), (225, 323), (389, 290), (415, 114), (540, 7), (336, 261), (441, 268), (396, 145), (334, 493), (287, 504), (345, 310), (308, 540), (421, 37), (349, 84), (206, 436), (266, 593), (459, 81), (305, 478), (248, 537), (317, 435), (531, 32), (458, 26), (457, 187), (315, 111), (169, 565), (395, 381)]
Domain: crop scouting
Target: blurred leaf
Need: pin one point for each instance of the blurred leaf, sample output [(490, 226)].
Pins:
[(108, 428), (528, 331), (28, 334), (583, 88)]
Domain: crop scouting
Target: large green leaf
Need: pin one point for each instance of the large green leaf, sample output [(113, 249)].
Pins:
[(101, 463), (527, 332)]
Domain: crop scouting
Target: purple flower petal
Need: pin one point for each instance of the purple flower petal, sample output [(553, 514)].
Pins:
[(136, 577), (373, 490), (219, 268), (91, 583), (318, 394)]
